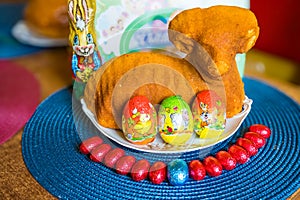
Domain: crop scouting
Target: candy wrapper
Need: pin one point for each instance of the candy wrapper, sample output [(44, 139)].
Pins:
[(139, 120), (209, 115), (175, 121)]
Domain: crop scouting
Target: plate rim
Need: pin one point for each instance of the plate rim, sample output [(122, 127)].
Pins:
[(30, 38), (247, 103)]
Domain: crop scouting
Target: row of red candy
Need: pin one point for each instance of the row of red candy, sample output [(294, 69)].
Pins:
[(240, 152)]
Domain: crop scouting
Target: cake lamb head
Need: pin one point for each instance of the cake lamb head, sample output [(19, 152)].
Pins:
[(221, 31)]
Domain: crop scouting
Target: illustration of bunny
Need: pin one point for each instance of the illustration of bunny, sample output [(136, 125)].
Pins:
[(156, 4), (135, 7), (113, 22), (86, 57)]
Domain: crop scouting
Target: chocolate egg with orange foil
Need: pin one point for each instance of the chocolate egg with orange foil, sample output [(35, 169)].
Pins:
[(175, 121), (209, 114), (139, 121)]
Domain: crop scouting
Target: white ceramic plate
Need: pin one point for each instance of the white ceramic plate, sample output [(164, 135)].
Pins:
[(159, 146), (24, 35)]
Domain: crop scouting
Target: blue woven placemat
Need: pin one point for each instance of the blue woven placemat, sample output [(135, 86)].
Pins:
[(50, 151)]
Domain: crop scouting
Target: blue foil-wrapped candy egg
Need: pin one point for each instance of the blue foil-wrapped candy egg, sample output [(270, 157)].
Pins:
[(178, 172)]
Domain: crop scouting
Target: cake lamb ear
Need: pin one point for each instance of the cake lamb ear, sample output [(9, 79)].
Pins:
[(222, 31)]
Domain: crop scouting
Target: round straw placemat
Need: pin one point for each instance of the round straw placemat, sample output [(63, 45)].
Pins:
[(50, 151), (20, 95)]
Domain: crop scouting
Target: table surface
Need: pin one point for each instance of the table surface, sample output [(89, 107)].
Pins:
[(53, 71)]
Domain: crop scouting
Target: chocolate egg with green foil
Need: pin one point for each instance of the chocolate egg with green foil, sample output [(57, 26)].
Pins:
[(209, 113), (175, 120), (139, 121)]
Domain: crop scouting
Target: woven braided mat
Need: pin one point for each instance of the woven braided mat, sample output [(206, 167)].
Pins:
[(50, 151)]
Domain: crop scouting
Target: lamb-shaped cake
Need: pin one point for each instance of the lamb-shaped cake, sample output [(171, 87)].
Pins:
[(209, 37)]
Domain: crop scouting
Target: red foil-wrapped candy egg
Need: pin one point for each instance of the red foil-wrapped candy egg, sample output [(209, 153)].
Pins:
[(140, 169), (239, 153), (261, 129), (89, 144), (258, 140), (158, 172), (227, 161), (212, 166), (196, 170), (124, 164), (113, 156), (248, 145)]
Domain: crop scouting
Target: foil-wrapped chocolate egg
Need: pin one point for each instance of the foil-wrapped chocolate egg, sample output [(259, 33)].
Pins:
[(209, 113), (175, 121), (178, 172), (139, 121)]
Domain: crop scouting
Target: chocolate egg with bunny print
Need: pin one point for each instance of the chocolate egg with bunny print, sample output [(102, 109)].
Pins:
[(209, 114), (175, 121), (139, 121)]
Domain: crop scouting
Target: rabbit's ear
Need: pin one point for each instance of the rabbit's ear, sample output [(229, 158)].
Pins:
[(72, 11), (86, 12)]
